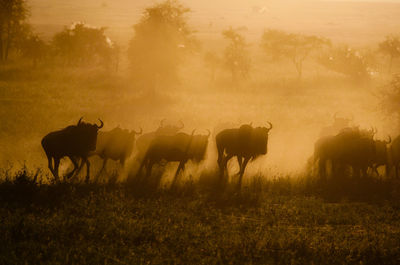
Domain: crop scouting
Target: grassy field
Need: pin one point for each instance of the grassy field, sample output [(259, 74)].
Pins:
[(283, 215), (277, 221)]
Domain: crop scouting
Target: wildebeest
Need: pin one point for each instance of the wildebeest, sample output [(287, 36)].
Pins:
[(74, 141), (381, 156), (143, 141), (338, 124), (350, 147), (180, 147), (245, 143), (116, 144), (395, 156)]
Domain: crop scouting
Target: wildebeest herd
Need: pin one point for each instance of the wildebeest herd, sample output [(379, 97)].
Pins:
[(349, 150)]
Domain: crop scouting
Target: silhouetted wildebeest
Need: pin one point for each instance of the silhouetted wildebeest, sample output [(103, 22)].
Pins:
[(180, 147), (116, 144), (381, 157), (245, 143), (75, 141), (143, 141), (395, 155), (339, 123), (351, 147)]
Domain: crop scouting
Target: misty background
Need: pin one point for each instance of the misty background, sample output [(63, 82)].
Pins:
[(224, 70)]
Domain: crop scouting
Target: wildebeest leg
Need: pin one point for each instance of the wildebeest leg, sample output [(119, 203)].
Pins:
[(240, 160), (73, 160), (56, 165), (245, 161), (103, 167), (322, 168), (180, 167), (51, 165), (87, 170), (149, 166)]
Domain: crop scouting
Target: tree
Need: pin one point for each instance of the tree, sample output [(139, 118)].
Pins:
[(162, 39), (236, 57), (390, 47), (346, 61), (13, 15), (33, 48), (81, 44), (390, 98), (296, 47)]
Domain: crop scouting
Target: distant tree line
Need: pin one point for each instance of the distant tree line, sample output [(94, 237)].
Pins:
[(162, 38)]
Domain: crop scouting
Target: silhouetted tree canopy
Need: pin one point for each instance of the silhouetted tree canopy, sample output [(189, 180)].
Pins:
[(296, 47), (347, 61), (236, 57), (13, 15), (162, 38), (34, 48), (391, 47), (81, 44)]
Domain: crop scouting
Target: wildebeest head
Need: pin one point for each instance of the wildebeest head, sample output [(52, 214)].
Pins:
[(260, 136), (381, 150), (89, 133), (198, 146), (341, 122), (169, 129)]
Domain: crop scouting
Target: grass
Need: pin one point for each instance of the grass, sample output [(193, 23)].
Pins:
[(269, 222)]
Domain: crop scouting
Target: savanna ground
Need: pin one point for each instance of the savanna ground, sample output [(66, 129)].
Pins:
[(283, 215)]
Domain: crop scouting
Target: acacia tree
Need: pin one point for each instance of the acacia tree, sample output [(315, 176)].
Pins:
[(236, 57), (347, 61), (296, 47), (13, 15), (33, 48), (390, 99), (162, 38), (81, 44), (391, 47)]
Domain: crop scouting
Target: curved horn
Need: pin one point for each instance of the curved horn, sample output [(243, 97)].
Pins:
[(209, 133), (182, 124), (162, 123), (270, 124), (375, 130), (79, 122), (141, 130), (388, 141), (101, 124)]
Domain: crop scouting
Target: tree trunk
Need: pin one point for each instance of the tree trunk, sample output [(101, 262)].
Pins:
[(8, 41), (1, 43)]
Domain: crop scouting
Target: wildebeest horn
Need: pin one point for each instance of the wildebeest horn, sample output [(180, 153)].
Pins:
[(374, 131), (79, 122), (182, 125), (162, 123), (141, 130), (101, 124), (270, 124), (388, 141), (209, 133)]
